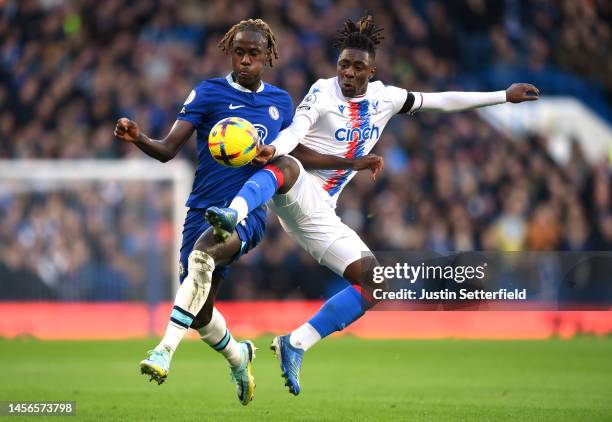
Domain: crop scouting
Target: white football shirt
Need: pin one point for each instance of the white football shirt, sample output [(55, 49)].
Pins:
[(346, 127)]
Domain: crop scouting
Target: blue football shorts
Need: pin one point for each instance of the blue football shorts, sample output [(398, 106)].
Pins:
[(250, 231)]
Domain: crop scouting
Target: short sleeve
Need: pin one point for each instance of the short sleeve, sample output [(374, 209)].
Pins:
[(312, 104), (194, 108), (397, 97)]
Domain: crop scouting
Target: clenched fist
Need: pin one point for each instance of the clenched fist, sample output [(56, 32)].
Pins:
[(127, 130), (517, 93)]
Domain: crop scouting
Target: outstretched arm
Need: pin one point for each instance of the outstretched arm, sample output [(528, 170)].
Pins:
[(457, 101), (285, 142), (306, 115), (314, 160), (164, 149)]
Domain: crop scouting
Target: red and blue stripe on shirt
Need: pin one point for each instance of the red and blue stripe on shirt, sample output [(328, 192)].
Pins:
[(359, 119)]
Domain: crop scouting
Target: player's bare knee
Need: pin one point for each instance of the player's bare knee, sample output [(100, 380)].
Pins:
[(290, 171), (371, 263), (373, 283), (358, 271), (221, 252), (361, 272)]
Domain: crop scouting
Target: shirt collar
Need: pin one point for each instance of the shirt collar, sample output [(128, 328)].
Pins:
[(236, 85)]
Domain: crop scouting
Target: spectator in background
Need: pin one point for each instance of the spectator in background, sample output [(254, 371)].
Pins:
[(69, 69)]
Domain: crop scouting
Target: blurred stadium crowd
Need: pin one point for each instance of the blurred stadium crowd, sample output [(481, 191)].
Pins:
[(69, 69)]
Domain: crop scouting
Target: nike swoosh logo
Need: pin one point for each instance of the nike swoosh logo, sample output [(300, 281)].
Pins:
[(233, 107)]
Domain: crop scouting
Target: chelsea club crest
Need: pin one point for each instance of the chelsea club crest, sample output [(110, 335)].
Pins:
[(274, 112)]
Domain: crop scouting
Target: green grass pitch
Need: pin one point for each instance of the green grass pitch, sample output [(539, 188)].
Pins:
[(342, 379)]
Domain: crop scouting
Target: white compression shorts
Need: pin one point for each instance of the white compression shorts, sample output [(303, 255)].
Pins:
[(308, 216)]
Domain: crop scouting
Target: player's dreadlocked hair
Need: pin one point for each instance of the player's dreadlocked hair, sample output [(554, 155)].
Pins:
[(256, 25), (363, 35)]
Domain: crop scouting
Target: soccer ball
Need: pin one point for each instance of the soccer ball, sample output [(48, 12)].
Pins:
[(233, 142)]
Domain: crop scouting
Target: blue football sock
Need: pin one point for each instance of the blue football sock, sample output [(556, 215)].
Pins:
[(339, 311), (258, 190)]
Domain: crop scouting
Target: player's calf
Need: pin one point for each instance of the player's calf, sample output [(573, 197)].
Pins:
[(342, 309), (239, 355), (338, 312), (361, 273)]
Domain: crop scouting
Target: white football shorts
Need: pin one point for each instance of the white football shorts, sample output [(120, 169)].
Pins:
[(308, 216)]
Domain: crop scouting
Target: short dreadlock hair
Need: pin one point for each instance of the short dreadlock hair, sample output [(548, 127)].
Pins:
[(255, 25), (363, 35)]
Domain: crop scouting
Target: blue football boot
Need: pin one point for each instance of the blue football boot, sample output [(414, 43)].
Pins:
[(223, 221), (290, 359)]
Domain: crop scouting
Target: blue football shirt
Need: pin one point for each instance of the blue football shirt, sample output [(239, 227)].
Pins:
[(269, 109)]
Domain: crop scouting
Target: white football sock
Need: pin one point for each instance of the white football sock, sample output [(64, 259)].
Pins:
[(190, 299), (217, 336), (174, 335), (239, 204), (304, 337)]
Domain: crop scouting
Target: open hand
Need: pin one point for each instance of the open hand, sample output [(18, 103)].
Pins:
[(517, 93), (374, 163), (127, 130)]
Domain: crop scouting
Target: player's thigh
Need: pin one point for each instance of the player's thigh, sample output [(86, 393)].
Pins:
[(327, 239), (306, 214), (303, 202), (197, 234), (346, 251), (222, 252)]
